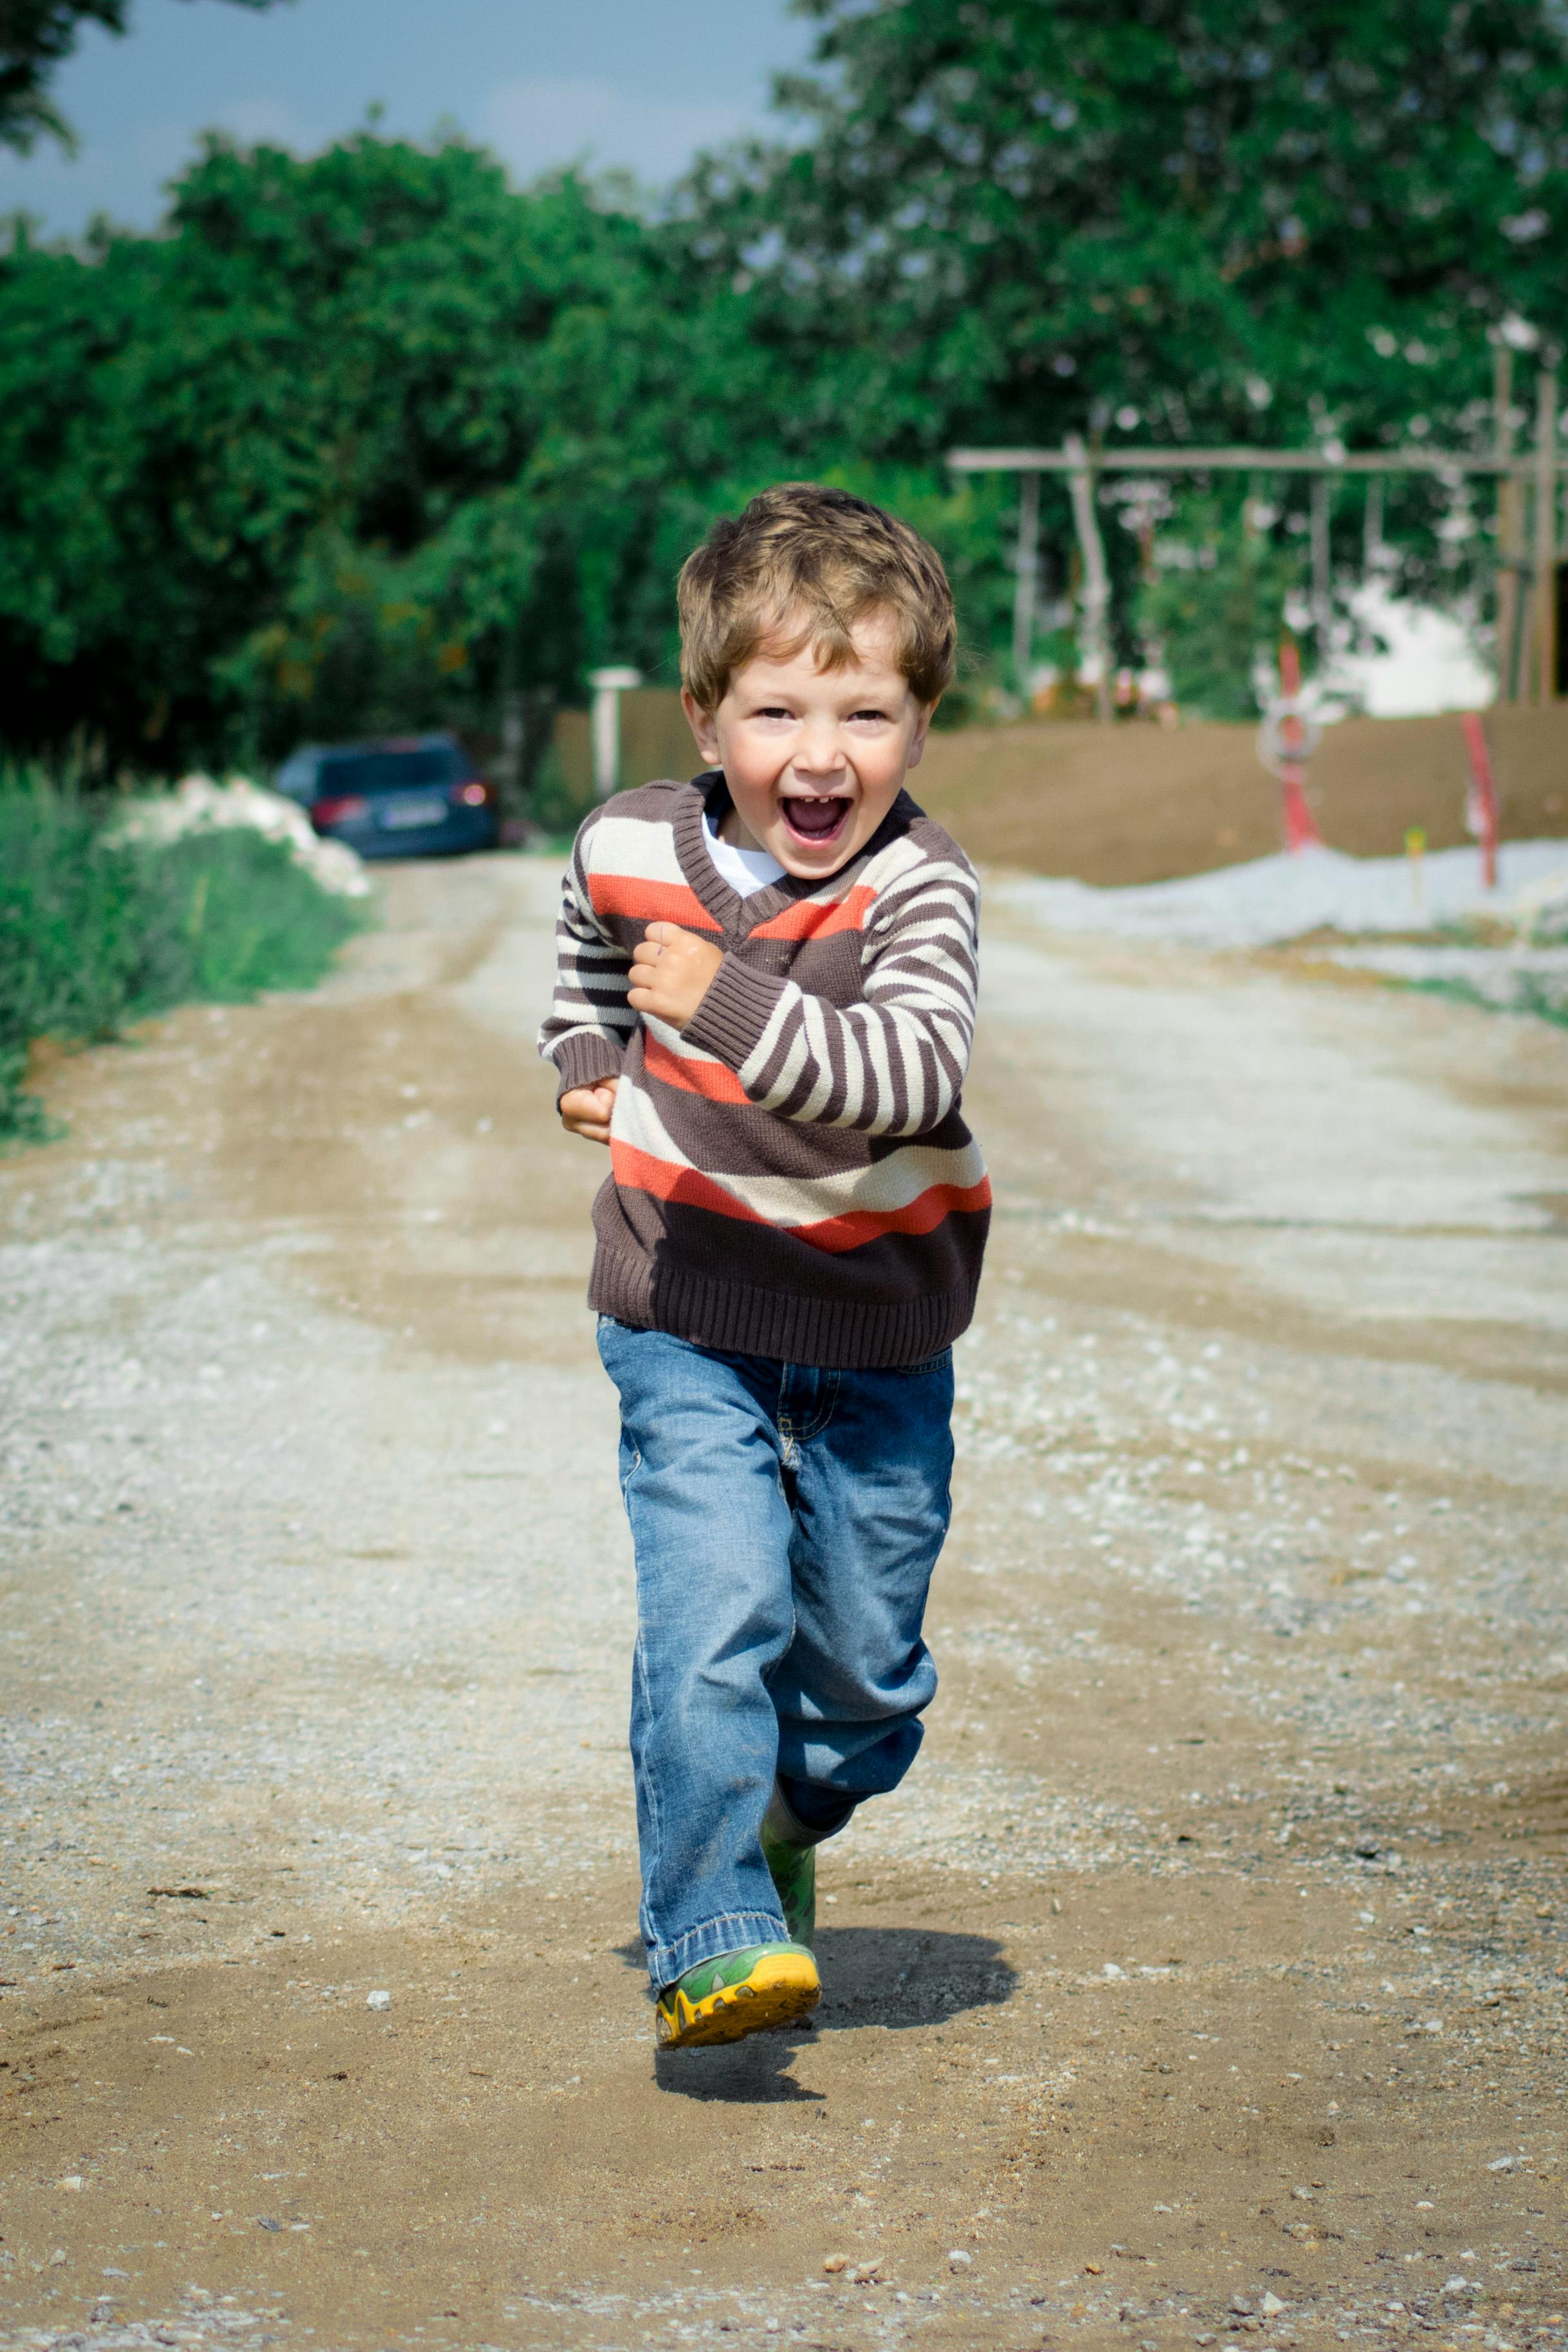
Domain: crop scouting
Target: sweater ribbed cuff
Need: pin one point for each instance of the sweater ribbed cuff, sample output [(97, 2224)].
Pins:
[(585, 1061), (731, 1017)]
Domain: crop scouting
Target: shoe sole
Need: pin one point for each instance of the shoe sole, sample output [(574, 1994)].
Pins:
[(780, 1988)]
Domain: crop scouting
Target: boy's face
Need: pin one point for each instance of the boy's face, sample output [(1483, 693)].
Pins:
[(815, 758)]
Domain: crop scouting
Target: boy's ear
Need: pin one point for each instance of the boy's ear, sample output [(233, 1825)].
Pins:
[(700, 722), (922, 729)]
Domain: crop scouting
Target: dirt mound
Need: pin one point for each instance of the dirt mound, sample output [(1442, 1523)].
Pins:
[(1137, 803)]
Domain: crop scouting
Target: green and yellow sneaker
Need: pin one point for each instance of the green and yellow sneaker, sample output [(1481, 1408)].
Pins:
[(738, 1993), (794, 1871)]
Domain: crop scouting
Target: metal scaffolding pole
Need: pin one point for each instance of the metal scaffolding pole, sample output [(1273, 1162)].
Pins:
[(1096, 578), (1322, 577), (1542, 467), (1371, 527), (1545, 615), (1510, 529), (1026, 583), (1238, 461)]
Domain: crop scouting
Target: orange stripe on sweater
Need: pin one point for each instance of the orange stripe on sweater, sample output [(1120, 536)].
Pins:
[(818, 918), (920, 1215), (650, 902), (668, 1181), (712, 1079), (642, 1171)]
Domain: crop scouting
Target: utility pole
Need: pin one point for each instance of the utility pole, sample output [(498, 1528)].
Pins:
[(1026, 587), (1095, 579), (1509, 529), (1546, 631)]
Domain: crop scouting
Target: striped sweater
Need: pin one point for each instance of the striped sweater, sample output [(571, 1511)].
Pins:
[(789, 1175)]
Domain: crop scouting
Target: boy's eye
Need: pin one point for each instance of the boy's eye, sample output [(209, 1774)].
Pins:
[(867, 714)]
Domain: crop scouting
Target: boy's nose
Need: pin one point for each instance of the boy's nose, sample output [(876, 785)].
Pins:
[(820, 755)]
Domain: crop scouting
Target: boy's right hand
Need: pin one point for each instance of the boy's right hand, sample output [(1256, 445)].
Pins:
[(585, 1110)]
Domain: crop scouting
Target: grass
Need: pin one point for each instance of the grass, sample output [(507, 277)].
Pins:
[(1531, 995), (98, 933)]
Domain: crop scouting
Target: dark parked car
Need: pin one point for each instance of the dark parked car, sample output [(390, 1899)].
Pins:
[(406, 796)]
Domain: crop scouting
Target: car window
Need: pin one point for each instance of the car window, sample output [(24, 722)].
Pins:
[(296, 776), (379, 771)]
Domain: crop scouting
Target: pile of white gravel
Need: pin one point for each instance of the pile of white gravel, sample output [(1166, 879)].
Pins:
[(197, 803), (1275, 899)]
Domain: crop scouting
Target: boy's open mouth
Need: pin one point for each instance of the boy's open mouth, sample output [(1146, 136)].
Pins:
[(815, 819)]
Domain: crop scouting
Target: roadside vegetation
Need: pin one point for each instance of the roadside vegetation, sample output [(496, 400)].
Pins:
[(1543, 998), (98, 931)]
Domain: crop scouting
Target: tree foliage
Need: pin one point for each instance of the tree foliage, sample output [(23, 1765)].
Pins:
[(370, 438), (1217, 604), (369, 424), (1200, 221), (1208, 211)]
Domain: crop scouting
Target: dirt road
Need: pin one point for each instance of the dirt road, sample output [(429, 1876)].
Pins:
[(1204, 1982)]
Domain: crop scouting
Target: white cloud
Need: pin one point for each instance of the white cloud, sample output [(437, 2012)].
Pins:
[(535, 126)]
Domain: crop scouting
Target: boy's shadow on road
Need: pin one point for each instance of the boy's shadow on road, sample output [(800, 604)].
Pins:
[(892, 1977)]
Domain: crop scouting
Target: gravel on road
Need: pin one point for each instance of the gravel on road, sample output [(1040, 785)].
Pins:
[(1203, 1984)]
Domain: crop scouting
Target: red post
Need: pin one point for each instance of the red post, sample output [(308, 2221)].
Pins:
[(1481, 802), (1301, 824)]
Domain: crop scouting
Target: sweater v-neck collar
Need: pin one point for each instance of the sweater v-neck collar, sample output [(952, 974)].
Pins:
[(710, 796)]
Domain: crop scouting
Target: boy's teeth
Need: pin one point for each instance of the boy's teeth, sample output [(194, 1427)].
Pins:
[(818, 814)]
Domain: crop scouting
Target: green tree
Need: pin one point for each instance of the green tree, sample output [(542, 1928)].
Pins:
[(363, 432), (35, 35), (367, 438), (1046, 214), (1216, 607), (1186, 220)]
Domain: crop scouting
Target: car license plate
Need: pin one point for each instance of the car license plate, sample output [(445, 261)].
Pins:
[(402, 816)]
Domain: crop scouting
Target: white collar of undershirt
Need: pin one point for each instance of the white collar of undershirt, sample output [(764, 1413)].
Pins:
[(745, 870)]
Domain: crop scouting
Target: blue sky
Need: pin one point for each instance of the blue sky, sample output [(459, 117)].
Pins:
[(640, 84)]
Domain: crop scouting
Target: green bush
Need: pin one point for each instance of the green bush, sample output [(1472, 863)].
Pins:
[(1217, 612), (97, 931), (556, 804)]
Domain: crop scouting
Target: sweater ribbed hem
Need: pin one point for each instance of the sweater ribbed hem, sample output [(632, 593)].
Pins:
[(736, 1008), (584, 1060), (847, 1335)]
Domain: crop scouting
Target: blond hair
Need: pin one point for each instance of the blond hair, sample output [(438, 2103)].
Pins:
[(801, 565)]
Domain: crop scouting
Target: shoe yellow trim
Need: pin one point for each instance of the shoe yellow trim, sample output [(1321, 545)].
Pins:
[(782, 1986)]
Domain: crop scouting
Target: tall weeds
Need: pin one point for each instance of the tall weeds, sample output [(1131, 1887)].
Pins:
[(98, 932)]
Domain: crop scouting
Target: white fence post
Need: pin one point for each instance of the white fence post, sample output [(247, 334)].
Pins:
[(608, 686)]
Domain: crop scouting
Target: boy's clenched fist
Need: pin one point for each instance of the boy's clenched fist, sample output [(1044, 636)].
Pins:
[(588, 1110), (672, 971)]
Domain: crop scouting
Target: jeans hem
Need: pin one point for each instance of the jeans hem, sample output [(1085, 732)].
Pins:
[(732, 1931)]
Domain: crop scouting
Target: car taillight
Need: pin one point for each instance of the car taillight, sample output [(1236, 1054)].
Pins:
[(340, 811), (474, 795)]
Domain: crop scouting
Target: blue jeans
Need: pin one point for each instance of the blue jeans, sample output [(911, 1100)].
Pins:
[(786, 1520)]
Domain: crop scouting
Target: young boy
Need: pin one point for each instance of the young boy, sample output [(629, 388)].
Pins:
[(764, 1005)]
